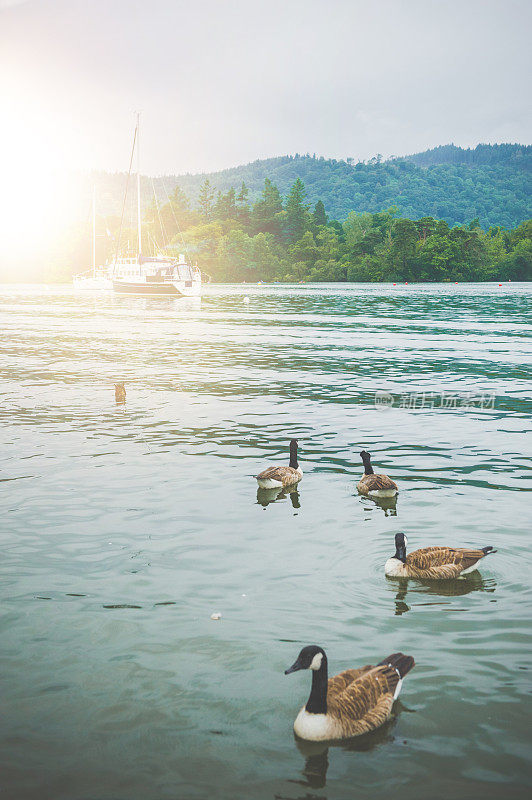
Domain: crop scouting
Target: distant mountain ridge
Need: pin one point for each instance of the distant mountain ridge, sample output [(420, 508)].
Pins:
[(490, 182), (482, 154)]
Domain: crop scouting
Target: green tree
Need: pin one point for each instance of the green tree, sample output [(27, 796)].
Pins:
[(517, 265), (265, 258), (243, 208), (297, 218), (266, 212), (235, 253), (305, 249), (319, 216), (404, 240), (329, 244), (206, 199), (225, 206)]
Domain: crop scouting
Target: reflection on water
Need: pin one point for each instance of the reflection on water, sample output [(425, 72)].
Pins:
[(267, 496), (316, 754), (472, 582), (388, 504)]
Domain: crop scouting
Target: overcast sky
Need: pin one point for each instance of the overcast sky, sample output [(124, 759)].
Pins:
[(223, 82)]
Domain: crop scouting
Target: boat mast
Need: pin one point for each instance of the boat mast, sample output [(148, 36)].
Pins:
[(94, 231), (138, 186)]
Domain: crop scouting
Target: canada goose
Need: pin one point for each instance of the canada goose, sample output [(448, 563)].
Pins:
[(274, 477), (354, 702), (433, 563), (120, 392), (375, 485)]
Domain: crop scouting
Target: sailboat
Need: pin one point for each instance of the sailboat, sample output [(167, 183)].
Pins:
[(152, 275), (98, 277), (139, 274)]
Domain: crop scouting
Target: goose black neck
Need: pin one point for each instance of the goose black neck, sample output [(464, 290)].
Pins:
[(317, 702), (400, 553), (368, 469), (293, 455)]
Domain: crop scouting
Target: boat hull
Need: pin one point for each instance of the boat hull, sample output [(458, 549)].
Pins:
[(92, 284), (153, 289)]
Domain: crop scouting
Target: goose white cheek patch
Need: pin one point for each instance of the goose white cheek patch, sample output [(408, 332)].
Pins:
[(316, 661)]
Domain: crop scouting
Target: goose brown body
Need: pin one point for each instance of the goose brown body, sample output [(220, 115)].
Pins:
[(376, 483), (355, 701), (276, 477), (433, 563), (280, 476), (360, 700)]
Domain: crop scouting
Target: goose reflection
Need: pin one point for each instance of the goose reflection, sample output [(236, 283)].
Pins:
[(387, 504), (316, 754), (267, 496), (473, 582)]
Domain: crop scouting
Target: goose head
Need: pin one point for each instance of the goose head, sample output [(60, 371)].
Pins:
[(311, 657), (400, 547)]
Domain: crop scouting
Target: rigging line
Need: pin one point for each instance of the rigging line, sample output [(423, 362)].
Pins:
[(154, 243), (125, 195), (131, 223), (185, 248), (161, 223)]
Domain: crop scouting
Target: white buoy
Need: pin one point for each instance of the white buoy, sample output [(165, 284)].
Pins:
[(246, 300)]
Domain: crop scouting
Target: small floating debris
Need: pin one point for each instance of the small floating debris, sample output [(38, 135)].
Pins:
[(120, 392), (216, 615)]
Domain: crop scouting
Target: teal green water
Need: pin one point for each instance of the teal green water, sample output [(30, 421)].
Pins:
[(125, 527)]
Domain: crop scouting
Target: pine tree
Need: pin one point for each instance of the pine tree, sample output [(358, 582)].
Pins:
[(319, 215), (243, 211), (297, 217), (225, 207), (206, 198), (266, 211), (242, 196)]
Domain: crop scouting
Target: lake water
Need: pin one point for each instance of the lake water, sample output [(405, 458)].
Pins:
[(124, 527)]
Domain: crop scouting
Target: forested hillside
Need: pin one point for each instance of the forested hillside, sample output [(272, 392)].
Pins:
[(491, 183), (286, 238)]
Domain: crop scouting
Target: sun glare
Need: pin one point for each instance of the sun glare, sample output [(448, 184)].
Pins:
[(37, 201), (35, 197)]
